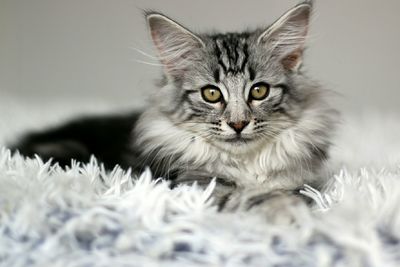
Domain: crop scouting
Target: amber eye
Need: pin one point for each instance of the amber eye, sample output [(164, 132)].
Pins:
[(259, 91), (211, 94)]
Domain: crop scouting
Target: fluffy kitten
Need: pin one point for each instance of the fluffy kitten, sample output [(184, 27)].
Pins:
[(234, 106)]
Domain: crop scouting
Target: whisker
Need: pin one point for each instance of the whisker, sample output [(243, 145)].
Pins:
[(144, 53), (148, 63)]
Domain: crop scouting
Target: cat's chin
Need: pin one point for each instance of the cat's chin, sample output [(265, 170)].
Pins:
[(237, 144)]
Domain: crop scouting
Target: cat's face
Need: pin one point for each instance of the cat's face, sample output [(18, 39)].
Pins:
[(233, 90)]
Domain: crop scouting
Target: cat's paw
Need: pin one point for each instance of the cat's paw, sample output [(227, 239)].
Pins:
[(277, 207)]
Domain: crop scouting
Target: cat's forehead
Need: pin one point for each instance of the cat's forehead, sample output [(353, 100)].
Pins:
[(230, 52)]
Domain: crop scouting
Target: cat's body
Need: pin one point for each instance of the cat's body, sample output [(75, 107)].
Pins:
[(233, 106)]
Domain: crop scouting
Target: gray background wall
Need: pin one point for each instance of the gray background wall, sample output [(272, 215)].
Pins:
[(53, 49)]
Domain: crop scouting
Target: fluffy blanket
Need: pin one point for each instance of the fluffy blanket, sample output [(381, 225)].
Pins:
[(85, 216)]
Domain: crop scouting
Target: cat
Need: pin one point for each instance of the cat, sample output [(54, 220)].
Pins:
[(234, 107)]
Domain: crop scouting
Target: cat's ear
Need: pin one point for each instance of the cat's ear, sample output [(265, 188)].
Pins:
[(177, 47), (285, 38)]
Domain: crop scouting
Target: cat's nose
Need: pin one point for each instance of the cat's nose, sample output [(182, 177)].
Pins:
[(238, 126)]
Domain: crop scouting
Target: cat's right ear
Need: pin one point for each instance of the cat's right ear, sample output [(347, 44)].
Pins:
[(177, 47)]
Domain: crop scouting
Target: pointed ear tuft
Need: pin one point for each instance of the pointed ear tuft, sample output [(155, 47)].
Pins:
[(286, 37), (176, 46)]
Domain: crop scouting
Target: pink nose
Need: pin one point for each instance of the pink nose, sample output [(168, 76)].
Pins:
[(238, 126)]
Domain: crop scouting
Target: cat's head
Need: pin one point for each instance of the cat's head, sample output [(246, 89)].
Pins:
[(233, 89)]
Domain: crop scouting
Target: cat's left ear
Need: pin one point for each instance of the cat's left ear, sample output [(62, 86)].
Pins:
[(177, 47), (285, 38)]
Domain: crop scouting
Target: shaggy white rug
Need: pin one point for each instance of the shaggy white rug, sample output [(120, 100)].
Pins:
[(87, 217)]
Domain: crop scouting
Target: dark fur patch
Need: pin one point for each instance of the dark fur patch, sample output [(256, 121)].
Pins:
[(106, 137)]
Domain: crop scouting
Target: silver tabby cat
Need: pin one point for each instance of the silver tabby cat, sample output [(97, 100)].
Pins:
[(238, 107), (235, 107)]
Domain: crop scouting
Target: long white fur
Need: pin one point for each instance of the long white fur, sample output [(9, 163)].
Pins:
[(86, 216)]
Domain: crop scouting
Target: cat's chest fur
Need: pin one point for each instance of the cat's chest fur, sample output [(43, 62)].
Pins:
[(260, 167), (270, 165)]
